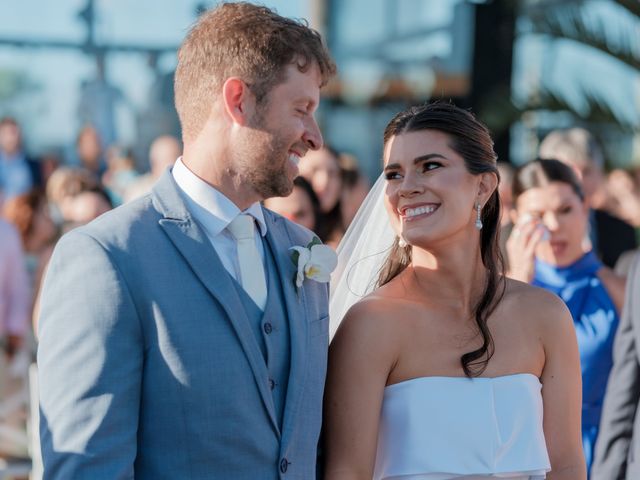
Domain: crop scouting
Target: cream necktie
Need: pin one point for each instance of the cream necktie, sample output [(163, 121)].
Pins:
[(251, 269)]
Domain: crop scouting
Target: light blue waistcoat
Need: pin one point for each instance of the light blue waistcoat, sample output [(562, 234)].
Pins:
[(271, 329)]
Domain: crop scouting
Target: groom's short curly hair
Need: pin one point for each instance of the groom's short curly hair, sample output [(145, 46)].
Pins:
[(248, 41)]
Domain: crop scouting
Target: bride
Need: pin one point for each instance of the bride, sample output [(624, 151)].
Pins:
[(447, 369)]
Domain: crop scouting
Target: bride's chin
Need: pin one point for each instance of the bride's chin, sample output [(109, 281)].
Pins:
[(417, 242), (430, 243)]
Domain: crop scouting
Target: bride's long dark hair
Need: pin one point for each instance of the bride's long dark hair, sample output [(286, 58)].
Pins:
[(472, 141)]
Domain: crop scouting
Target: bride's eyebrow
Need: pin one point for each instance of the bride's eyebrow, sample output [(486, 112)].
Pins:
[(391, 166), (428, 156), (421, 158)]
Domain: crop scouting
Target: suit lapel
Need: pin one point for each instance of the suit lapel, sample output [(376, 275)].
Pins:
[(194, 246), (279, 242)]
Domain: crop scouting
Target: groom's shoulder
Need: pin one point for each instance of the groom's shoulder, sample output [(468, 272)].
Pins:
[(119, 224)]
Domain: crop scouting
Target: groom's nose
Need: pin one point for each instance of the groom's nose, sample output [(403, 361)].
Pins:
[(312, 136)]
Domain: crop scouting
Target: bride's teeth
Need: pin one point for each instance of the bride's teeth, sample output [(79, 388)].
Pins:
[(412, 212)]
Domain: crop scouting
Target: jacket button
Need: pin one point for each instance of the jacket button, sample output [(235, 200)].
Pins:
[(284, 465), (272, 383), (268, 328)]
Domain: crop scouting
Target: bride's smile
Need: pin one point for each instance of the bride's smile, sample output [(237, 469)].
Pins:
[(417, 211)]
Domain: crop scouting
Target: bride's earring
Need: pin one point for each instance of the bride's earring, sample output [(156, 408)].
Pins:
[(402, 243), (478, 221)]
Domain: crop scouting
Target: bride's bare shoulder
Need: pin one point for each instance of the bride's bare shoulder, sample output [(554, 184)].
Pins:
[(372, 309), (528, 295), (534, 305), (369, 337), (372, 319)]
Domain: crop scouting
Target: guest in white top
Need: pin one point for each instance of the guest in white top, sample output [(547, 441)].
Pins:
[(448, 369)]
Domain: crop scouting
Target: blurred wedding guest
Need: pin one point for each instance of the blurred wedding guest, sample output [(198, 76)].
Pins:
[(15, 310), (624, 189), (89, 150), (506, 205), (18, 172), (81, 200), (617, 453), (547, 249), (15, 296), (87, 205), (63, 185), (121, 173), (321, 168), (162, 155), (301, 206), (576, 147), (635, 174), (625, 196), (355, 187), (623, 265), (29, 213), (50, 161), (504, 191)]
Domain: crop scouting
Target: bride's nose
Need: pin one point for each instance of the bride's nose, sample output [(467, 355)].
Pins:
[(410, 186)]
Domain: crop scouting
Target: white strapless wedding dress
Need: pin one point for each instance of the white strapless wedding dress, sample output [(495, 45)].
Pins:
[(442, 428)]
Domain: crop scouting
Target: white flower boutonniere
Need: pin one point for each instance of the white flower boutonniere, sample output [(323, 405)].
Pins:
[(315, 262)]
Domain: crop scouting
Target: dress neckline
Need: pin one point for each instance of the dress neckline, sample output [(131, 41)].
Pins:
[(455, 378), (585, 266)]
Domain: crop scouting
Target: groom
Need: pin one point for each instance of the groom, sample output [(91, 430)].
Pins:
[(174, 342)]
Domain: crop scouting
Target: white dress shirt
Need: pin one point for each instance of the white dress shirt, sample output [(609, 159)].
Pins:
[(214, 212)]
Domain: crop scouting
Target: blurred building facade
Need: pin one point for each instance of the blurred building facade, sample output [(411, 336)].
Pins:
[(578, 62), (515, 63), (391, 54)]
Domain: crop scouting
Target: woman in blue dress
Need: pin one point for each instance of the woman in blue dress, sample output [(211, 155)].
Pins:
[(549, 247)]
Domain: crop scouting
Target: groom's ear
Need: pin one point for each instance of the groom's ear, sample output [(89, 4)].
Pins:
[(486, 187), (238, 100)]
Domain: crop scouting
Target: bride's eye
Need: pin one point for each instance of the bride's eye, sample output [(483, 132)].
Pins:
[(391, 175), (426, 166)]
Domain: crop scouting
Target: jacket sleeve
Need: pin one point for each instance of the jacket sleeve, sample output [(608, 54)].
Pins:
[(90, 360), (623, 389)]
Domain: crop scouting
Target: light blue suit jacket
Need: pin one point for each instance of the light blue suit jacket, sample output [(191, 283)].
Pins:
[(148, 367)]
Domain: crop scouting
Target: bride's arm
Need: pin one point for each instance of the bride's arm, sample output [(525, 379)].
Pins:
[(360, 359), (561, 390)]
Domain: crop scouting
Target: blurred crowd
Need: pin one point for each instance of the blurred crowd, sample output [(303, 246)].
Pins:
[(42, 198)]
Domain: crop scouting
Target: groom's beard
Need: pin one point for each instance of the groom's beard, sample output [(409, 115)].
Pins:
[(265, 162)]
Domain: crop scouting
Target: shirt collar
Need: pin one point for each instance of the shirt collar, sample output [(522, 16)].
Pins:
[(206, 198)]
